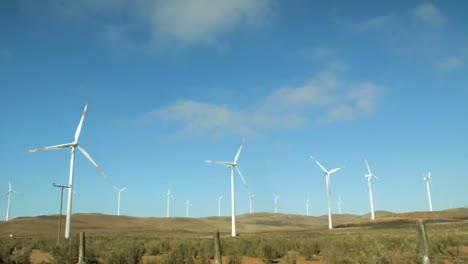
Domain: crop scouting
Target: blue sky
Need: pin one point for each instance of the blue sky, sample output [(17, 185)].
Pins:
[(171, 83)]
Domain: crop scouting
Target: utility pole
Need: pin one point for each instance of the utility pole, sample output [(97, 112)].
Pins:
[(60, 214)]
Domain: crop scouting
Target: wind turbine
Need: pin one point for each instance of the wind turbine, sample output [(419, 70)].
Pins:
[(307, 206), (168, 195), (118, 203), (428, 180), (251, 196), (327, 174), (219, 205), (231, 165), (10, 190), (369, 177), (72, 146), (276, 202), (187, 205)]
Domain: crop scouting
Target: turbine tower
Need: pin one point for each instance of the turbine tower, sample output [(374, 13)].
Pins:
[(231, 165), (307, 206), (276, 202), (327, 174), (219, 205), (10, 190), (369, 177), (72, 146), (428, 180), (168, 196), (251, 196), (118, 202), (187, 205)]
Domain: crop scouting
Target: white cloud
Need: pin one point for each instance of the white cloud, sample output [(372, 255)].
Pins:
[(169, 22), (201, 21), (376, 23), (449, 64), (323, 100), (429, 14)]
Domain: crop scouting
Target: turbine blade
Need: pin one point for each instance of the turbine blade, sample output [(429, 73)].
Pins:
[(117, 189), (318, 163), (60, 146), (236, 158), (78, 129), (243, 180), (86, 154), (368, 168), (218, 162), (123, 189), (334, 170), (221, 197)]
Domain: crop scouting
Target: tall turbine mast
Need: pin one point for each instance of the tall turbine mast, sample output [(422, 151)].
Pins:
[(231, 165), (219, 205), (187, 205), (276, 197), (168, 196), (369, 177), (118, 199), (428, 180), (72, 146), (327, 174), (10, 190)]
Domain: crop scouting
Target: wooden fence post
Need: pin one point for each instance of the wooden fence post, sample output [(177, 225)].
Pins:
[(217, 247), (423, 245), (81, 255)]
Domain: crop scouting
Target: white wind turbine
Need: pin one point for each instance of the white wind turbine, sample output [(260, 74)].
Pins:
[(251, 196), (118, 203), (276, 197), (187, 205), (369, 177), (10, 190), (72, 147), (307, 206), (219, 205), (231, 165), (327, 174), (168, 196), (428, 180)]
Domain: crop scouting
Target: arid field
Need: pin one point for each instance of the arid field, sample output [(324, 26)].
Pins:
[(262, 238)]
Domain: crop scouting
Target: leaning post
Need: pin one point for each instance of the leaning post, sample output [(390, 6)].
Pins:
[(217, 247), (81, 255), (423, 245)]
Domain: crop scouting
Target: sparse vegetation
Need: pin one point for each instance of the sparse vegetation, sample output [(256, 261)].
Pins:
[(447, 242)]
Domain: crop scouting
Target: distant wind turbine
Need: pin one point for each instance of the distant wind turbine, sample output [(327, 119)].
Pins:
[(251, 196), (168, 196), (10, 190), (219, 205), (307, 206), (428, 180), (72, 147), (118, 203), (231, 165), (369, 177), (327, 174), (187, 205), (276, 197)]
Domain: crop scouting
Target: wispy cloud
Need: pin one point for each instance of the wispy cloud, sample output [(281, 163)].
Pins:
[(429, 14), (202, 21), (449, 64), (167, 22), (375, 23), (322, 100)]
